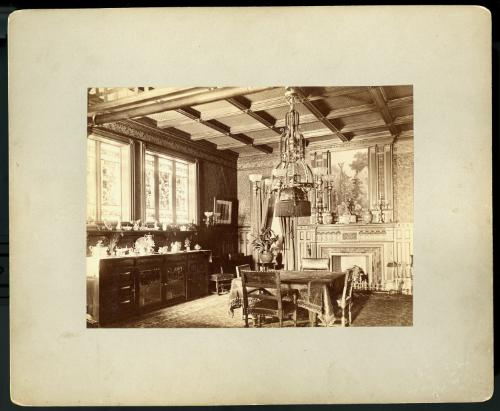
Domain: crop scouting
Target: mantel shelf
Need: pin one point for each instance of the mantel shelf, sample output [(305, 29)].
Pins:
[(352, 225)]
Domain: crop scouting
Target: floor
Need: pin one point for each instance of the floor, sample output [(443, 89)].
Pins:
[(370, 309)]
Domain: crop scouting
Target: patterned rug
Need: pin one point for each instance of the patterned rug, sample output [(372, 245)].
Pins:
[(370, 310)]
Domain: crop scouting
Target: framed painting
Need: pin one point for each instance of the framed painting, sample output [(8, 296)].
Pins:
[(223, 210)]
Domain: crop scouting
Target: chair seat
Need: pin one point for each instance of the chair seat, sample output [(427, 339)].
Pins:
[(221, 277), (308, 305), (272, 304)]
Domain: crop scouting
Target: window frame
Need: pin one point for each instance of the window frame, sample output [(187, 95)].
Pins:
[(126, 176), (193, 177)]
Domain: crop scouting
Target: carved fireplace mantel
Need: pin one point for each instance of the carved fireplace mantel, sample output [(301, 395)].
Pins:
[(380, 244)]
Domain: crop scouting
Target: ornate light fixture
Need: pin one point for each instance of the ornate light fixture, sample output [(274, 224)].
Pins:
[(292, 177), (323, 186)]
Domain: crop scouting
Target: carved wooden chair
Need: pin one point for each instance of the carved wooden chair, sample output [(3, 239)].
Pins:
[(258, 301), (322, 264), (345, 302), (242, 267), (315, 306), (221, 280)]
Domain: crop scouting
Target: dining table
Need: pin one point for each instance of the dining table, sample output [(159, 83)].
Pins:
[(320, 288)]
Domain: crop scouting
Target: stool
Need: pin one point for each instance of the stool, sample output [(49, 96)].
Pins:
[(222, 282)]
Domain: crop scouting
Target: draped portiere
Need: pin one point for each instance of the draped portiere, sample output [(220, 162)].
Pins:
[(288, 230), (262, 206), (262, 216)]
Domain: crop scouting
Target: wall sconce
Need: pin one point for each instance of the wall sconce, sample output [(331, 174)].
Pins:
[(257, 180), (254, 178), (209, 220)]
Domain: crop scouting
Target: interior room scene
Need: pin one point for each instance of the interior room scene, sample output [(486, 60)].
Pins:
[(236, 207)]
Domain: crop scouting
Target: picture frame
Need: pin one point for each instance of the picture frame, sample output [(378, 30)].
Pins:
[(223, 209)]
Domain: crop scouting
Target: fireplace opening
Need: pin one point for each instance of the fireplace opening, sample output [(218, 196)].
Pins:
[(342, 262)]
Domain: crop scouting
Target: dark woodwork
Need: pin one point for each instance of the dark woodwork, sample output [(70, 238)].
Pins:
[(129, 286), (380, 101), (148, 277), (117, 289), (196, 268), (321, 117), (202, 98), (245, 106), (144, 97), (328, 108), (221, 239), (174, 279), (223, 129)]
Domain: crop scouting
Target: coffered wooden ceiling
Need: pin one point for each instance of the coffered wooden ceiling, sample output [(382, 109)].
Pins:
[(249, 121)]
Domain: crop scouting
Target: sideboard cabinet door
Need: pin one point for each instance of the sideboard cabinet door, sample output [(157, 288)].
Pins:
[(174, 279), (148, 281)]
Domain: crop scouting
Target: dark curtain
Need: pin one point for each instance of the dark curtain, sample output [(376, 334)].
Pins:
[(288, 231)]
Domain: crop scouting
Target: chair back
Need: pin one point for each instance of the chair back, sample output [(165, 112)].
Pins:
[(216, 265), (261, 282), (242, 267), (315, 264), (349, 283)]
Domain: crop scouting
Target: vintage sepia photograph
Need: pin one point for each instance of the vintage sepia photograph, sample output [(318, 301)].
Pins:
[(260, 206), (319, 180)]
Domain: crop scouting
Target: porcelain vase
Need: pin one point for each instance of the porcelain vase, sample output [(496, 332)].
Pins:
[(266, 257), (327, 218), (367, 217)]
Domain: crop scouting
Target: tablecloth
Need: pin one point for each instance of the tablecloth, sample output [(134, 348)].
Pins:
[(326, 289)]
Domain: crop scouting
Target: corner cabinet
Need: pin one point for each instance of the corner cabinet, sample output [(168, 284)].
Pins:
[(121, 287)]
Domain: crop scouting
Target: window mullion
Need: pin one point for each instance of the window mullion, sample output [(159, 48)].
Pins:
[(98, 179), (157, 188), (174, 193)]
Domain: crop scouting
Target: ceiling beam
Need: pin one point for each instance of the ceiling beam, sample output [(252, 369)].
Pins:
[(279, 102), (367, 125), (145, 97), (223, 129), (320, 116), (403, 119), (400, 102), (352, 111), (245, 106), (279, 124), (307, 119), (208, 97), (379, 99)]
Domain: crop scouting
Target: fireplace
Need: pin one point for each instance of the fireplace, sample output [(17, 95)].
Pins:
[(369, 246), (344, 261)]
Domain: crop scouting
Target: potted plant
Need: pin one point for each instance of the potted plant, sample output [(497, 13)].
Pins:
[(264, 243)]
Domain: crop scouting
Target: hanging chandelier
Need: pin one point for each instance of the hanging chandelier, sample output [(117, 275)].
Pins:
[(292, 178)]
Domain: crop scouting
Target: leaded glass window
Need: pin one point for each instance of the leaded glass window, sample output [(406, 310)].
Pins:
[(181, 193), (150, 187), (91, 181), (165, 173), (108, 180), (170, 189)]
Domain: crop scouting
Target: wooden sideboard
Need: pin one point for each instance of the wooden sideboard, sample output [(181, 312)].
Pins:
[(121, 287)]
